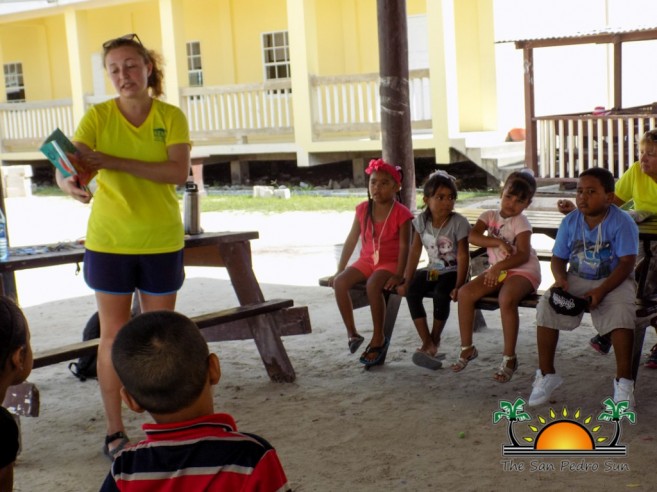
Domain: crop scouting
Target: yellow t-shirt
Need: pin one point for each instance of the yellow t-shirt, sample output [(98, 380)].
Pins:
[(636, 185), (132, 215)]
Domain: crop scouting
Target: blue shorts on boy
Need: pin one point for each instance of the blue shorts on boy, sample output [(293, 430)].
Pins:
[(592, 255)]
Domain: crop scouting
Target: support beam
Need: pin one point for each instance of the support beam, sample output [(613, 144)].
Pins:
[(396, 134), (239, 172), (358, 171)]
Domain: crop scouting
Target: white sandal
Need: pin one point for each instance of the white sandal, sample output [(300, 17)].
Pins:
[(504, 373), (462, 362)]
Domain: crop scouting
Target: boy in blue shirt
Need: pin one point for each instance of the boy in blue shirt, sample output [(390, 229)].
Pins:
[(599, 242)]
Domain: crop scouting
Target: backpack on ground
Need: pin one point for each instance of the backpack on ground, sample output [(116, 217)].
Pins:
[(85, 367)]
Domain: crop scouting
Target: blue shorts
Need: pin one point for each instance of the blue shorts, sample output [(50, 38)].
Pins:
[(157, 274)]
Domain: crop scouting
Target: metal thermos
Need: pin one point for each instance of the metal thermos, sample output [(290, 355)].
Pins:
[(191, 209)]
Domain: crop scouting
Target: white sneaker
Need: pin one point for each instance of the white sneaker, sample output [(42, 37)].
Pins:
[(543, 388), (624, 391)]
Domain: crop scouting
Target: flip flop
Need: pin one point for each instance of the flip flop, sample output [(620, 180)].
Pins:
[(355, 343), (423, 359), (379, 351)]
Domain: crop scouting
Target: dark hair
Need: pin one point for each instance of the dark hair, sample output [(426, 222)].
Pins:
[(13, 329), (431, 185), (162, 360), (603, 175), (521, 184), (370, 202), (156, 78)]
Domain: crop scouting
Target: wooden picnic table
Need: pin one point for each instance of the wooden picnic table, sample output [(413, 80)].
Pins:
[(230, 250)]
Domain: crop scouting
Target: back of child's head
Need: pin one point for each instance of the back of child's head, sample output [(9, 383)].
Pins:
[(521, 184), (603, 175), (162, 360), (13, 329)]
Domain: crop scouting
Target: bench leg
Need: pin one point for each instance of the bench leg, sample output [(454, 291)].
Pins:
[(392, 309), (270, 346), (479, 321), (639, 335)]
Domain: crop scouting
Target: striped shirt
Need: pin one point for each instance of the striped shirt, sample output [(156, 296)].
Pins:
[(204, 454)]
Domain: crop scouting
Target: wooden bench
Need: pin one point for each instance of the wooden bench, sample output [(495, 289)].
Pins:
[(222, 325), (646, 308), (211, 320)]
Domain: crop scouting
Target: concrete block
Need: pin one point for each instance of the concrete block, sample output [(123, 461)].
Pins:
[(263, 191), (282, 193), (17, 180)]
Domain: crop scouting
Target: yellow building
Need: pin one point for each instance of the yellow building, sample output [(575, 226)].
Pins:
[(257, 79)]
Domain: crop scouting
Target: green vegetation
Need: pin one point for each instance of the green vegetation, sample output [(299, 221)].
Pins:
[(305, 203)]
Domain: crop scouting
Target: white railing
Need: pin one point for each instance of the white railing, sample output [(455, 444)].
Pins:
[(35, 121), (239, 110), (569, 144), (351, 103), (341, 105)]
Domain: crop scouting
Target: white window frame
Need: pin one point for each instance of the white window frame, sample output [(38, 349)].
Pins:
[(276, 56), (14, 81), (194, 64)]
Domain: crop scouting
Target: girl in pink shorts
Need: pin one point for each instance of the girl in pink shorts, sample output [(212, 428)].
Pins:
[(382, 225), (514, 273)]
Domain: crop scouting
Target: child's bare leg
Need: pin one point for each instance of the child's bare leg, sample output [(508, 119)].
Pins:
[(428, 345), (513, 290), (377, 304), (468, 296), (341, 284), (437, 331), (623, 341), (546, 342)]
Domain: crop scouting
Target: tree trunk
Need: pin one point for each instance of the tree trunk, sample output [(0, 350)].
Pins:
[(397, 143)]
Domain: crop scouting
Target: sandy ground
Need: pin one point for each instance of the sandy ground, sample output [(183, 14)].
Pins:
[(337, 427)]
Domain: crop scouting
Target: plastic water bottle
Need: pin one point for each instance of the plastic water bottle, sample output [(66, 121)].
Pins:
[(4, 247)]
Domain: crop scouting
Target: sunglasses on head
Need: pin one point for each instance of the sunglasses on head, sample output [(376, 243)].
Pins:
[(122, 40)]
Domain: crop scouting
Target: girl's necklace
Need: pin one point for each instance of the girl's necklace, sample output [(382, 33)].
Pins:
[(375, 255), (440, 228)]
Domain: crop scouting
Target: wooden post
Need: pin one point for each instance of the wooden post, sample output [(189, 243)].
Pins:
[(397, 143), (531, 140)]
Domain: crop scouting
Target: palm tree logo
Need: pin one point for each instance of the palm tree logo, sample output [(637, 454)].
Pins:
[(562, 433), (513, 412), (615, 412)]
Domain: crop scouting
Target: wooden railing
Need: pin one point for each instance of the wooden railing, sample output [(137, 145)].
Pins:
[(239, 110), (351, 103), (569, 144), (24, 125)]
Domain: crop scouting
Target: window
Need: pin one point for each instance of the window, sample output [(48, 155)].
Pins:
[(14, 85), (194, 67), (276, 55)]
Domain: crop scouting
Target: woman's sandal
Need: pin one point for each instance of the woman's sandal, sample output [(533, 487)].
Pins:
[(379, 351), (462, 362), (111, 453), (355, 342), (504, 373)]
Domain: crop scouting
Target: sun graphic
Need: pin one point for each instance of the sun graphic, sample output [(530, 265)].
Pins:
[(565, 433)]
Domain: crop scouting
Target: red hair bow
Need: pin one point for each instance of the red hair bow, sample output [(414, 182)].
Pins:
[(381, 165)]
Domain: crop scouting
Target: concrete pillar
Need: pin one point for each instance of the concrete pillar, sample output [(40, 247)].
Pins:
[(358, 171), (197, 174), (239, 172)]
